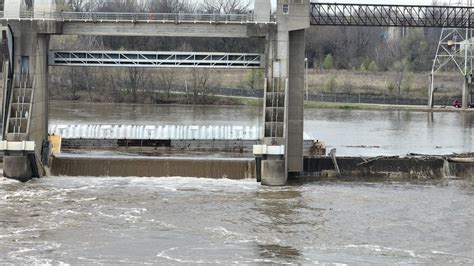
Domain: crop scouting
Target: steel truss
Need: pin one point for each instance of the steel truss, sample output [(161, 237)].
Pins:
[(154, 59), (455, 52), (391, 15)]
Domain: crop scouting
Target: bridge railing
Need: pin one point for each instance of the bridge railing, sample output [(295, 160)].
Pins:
[(132, 17)]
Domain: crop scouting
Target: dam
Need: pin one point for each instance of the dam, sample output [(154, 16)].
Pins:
[(28, 28)]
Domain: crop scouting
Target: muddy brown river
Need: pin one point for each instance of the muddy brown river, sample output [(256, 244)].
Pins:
[(352, 132), (185, 220), (200, 221)]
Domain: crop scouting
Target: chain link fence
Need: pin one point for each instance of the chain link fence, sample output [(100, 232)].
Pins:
[(375, 99)]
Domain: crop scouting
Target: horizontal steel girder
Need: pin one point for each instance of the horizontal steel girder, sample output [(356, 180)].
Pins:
[(154, 59)]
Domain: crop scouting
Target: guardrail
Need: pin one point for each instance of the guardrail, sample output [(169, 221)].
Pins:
[(133, 17)]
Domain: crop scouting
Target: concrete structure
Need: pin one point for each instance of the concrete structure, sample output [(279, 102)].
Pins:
[(284, 93), (26, 85), (26, 98), (27, 107)]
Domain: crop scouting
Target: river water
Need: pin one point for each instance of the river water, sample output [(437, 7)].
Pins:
[(200, 221), (182, 220), (352, 132)]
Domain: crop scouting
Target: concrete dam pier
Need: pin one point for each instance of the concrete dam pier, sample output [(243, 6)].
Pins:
[(26, 80)]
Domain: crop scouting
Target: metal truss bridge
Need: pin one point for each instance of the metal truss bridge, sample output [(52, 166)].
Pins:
[(327, 14), (154, 59)]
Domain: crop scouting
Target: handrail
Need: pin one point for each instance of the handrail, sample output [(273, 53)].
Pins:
[(131, 17)]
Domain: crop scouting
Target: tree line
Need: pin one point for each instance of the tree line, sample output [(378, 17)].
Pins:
[(360, 49)]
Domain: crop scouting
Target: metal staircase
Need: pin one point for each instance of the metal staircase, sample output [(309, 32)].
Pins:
[(19, 108), (275, 96)]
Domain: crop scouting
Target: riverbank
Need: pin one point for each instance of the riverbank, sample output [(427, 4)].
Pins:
[(362, 106), (252, 101)]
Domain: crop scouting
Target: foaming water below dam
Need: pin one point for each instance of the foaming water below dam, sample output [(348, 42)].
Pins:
[(180, 220)]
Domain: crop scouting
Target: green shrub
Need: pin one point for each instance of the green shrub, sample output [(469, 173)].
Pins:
[(330, 84), (328, 62), (373, 67)]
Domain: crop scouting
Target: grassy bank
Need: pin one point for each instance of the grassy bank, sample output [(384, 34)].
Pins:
[(357, 106)]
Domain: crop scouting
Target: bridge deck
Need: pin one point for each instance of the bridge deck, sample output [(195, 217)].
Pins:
[(98, 17)]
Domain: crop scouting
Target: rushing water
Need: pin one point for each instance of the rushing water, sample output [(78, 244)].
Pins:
[(130, 220), (352, 132), (185, 220)]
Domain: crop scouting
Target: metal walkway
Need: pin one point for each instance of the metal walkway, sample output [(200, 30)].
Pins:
[(391, 15), (154, 59), (97, 17)]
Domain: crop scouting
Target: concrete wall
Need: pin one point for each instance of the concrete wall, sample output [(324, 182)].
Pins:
[(154, 167), (386, 168), (156, 29), (295, 109), (262, 10), (34, 46), (315, 168)]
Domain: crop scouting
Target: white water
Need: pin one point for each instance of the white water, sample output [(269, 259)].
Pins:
[(174, 132)]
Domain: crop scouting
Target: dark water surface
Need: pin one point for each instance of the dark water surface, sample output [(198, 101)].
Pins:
[(186, 220), (352, 132)]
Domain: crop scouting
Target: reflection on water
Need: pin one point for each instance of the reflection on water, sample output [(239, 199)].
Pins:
[(352, 132)]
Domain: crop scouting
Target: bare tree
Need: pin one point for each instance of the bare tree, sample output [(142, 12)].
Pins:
[(136, 81), (225, 6), (167, 78), (202, 80), (171, 6)]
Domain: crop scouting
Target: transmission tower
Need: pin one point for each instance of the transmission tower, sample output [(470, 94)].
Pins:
[(455, 52)]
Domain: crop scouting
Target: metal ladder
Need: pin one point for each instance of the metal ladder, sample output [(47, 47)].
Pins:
[(19, 113)]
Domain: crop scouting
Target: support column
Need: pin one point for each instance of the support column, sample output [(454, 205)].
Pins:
[(274, 171), (282, 151), (27, 116), (295, 106), (465, 93), (431, 92)]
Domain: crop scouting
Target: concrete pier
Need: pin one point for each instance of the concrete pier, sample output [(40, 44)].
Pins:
[(284, 93), (26, 108)]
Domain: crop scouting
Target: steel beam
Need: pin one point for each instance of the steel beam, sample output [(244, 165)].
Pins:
[(154, 59), (332, 14)]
